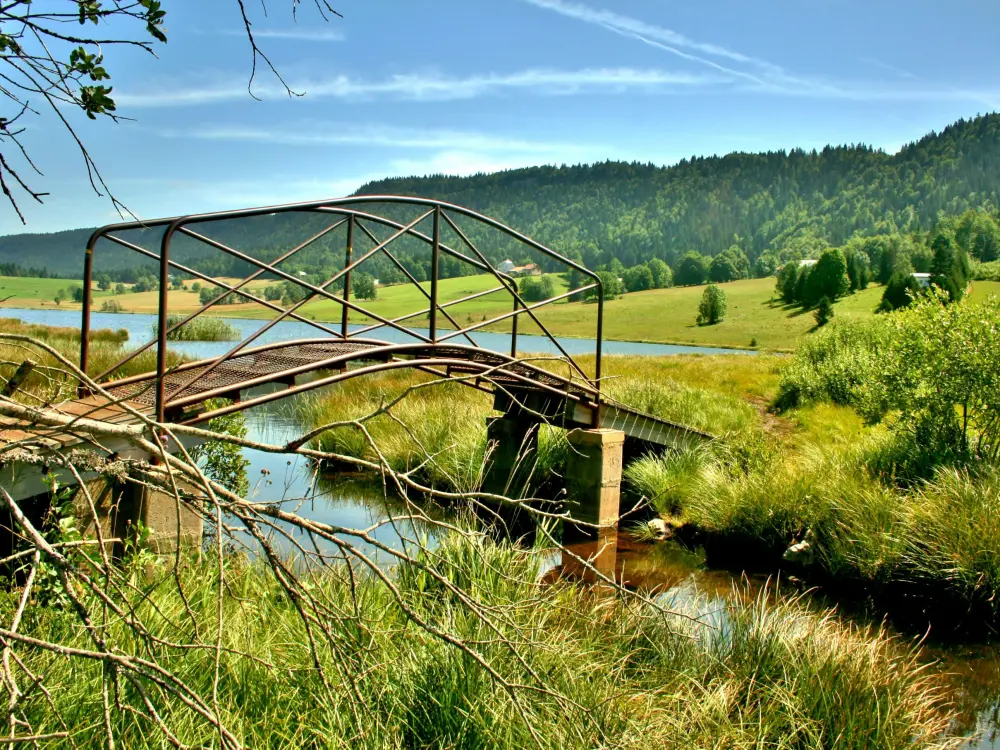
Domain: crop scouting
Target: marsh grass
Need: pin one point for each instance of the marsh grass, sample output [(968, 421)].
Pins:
[(202, 328), (48, 381), (760, 672)]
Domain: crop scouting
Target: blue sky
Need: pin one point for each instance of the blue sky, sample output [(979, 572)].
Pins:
[(401, 88)]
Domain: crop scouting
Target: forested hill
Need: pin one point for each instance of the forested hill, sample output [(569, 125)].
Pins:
[(778, 200), (785, 202)]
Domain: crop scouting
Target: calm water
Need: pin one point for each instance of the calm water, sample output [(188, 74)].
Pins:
[(140, 328), (972, 670)]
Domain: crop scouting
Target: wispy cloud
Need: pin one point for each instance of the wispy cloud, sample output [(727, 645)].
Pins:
[(431, 87), (349, 134), (659, 36), (301, 35), (886, 66), (746, 73)]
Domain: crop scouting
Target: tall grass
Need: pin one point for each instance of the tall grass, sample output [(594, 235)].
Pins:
[(49, 380), (202, 328), (759, 673)]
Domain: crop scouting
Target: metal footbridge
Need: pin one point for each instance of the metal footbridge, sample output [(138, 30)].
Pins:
[(392, 231)]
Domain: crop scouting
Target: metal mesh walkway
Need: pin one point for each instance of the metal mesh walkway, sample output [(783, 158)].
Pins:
[(237, 372)]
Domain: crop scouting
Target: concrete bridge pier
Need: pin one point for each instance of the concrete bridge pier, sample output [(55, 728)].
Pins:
[(119, 505), (593, 488), (512, 452)]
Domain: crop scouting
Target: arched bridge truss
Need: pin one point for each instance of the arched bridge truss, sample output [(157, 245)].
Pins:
[(252, 372)]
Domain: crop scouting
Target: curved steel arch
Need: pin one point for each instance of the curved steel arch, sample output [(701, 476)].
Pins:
[(439, 211)]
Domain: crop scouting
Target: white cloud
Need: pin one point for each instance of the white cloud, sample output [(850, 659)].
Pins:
[(339, 133), (301, 35), (431, 87), (886, 66)]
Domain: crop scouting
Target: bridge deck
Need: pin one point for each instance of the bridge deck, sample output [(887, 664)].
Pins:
[(520, 387)]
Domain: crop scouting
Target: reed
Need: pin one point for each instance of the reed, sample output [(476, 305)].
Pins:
[(745, 672), (202, 328)]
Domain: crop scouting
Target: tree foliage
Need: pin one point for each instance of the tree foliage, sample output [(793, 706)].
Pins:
[(901, 290), (692, 269), (537, 288), (712, 308), (638, 279), (52, 64), (363, 286)]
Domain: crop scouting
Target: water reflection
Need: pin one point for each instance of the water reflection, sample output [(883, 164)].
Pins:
[(350, 502)]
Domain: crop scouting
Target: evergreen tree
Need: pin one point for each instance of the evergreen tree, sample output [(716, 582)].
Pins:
[(824, 312), (899, 292), (828, 278), (788, 277)]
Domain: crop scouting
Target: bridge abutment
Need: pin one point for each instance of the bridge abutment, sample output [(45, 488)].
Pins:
[(121, 505)]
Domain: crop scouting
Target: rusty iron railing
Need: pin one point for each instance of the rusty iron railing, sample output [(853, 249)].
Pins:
[(342, 211)]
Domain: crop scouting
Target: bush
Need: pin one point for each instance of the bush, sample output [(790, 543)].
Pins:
[(712, 309), (834, 363), (986, 271), (111, 306), (931, 371)]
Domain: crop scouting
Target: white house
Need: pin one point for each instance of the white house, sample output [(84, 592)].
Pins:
[(924, 279), (507, 266), (808, 262)]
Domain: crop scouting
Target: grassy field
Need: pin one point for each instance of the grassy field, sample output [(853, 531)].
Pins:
[(661, 315)]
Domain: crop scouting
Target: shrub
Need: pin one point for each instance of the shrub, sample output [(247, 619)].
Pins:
[(931, 371), (111, 306), (834, 363), (712, 308)]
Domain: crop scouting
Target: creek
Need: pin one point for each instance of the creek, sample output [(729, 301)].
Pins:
[(971, 669)]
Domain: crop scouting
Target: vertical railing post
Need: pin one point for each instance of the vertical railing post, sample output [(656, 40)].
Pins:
[(513, 325), (161, 328), (88, 277), (435, 262), (345, 314), (600, 337)]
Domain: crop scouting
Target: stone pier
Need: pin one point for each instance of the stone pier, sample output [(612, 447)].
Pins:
[(593, 488)]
